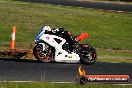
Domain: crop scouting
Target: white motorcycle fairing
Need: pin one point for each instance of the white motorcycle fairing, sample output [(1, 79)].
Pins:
[(60, 54)]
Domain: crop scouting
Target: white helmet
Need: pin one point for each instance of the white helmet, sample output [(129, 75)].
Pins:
[(47, 28)]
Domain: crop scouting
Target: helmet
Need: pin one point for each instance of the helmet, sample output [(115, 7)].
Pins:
[(47, 28)]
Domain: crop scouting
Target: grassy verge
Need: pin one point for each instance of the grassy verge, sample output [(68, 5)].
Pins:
[(51, 85), (111, 55), (108, 30)]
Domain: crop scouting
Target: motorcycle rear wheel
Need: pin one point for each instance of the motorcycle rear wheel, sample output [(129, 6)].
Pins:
[(89, 58), (45, 55)]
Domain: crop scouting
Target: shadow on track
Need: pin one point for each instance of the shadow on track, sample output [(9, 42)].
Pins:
[(19, 60), (54, 2), (34, 61)]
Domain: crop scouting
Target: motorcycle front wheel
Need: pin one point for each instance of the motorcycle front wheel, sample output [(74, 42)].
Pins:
[(43, 55)]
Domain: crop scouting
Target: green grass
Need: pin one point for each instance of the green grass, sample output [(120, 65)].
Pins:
[(51, 85), (109, 55), (106, 29)]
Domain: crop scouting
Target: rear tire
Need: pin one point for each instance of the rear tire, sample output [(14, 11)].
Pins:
[(90, 58), (45, 55)]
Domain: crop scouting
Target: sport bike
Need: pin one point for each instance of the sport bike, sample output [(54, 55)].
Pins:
[(58, 45)]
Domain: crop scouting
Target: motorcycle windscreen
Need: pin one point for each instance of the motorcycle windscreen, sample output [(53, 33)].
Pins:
[(41, 31), (81, 37)]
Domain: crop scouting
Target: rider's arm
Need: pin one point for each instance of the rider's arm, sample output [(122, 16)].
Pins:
[(57, 30)]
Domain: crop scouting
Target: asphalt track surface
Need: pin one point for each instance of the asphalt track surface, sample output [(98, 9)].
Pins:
[(86, 4), (27, 70)]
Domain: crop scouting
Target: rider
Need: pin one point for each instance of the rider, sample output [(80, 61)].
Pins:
[(67, 35)]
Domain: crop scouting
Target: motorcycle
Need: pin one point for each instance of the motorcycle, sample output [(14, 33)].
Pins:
[(58, 45)]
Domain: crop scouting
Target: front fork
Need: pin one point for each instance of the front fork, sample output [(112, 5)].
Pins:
[(43, 46)]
